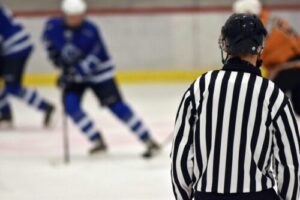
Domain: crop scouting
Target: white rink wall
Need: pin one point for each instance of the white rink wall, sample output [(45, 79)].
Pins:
[(158, 42)]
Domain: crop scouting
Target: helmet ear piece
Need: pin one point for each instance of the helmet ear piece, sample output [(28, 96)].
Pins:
[(224, 48), (259, 49)]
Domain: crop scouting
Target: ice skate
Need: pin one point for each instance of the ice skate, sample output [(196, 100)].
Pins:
[(6, 121), (98, 148), (152, 148)]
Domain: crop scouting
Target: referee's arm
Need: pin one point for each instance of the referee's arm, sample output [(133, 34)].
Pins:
[(287, 153), (182, 151)]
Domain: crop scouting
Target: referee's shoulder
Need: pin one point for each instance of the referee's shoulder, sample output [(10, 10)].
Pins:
[(275, 97), (197, 88), (202, 80), (275, 89)]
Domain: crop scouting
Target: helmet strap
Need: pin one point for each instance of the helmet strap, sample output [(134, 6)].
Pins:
[(221, 45), (259, 60), (224, 60)]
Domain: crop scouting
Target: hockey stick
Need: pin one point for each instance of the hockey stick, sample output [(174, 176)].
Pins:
[(65, 134)]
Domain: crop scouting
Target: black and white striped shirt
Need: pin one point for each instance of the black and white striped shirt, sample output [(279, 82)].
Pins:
[(235, 132)]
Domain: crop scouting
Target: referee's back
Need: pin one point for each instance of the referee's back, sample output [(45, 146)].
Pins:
[(236, 137)]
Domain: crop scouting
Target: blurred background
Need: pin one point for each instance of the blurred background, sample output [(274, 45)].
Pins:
[(159, 47), (147, 37)]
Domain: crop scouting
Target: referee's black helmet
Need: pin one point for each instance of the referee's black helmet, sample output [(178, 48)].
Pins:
[(242, 34)]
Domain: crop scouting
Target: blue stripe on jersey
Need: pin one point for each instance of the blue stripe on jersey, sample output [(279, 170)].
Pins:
[(14, 40), (104, 76)]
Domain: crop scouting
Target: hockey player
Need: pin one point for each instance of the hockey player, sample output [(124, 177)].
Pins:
[(15, 49), (76, 47), (281, 53), (236, 136)]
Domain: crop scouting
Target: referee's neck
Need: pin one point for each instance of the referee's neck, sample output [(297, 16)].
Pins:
[(249, 58)]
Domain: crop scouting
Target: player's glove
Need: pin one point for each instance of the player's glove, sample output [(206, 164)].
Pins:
[(67, 78), (57, 61), (79, 70)]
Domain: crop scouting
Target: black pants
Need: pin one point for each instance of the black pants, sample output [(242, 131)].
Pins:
[(12, 69), (289, 82), (106, 92), (263, 195)]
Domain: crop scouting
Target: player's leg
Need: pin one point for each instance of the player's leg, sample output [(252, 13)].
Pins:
[(124, 113), (110, 96), (13, 70), (72, 102), (6, 117), (5, 110)]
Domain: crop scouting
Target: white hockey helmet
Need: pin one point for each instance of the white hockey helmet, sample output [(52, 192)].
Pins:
[(247, 6), (73, 7)]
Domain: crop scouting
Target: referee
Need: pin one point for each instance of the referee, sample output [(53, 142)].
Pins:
[(236, 136)]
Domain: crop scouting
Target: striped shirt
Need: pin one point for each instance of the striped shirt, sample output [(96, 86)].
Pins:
[(235, 132)]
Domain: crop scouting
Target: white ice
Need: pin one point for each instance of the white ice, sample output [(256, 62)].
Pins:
[(31, 165)]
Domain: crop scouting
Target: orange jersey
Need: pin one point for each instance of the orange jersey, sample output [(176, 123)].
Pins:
[(282, 42)]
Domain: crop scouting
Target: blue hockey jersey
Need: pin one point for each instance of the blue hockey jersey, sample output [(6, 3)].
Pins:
[(81, 49), (14, 41)]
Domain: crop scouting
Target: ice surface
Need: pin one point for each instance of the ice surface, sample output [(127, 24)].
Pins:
[(31, 158)]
